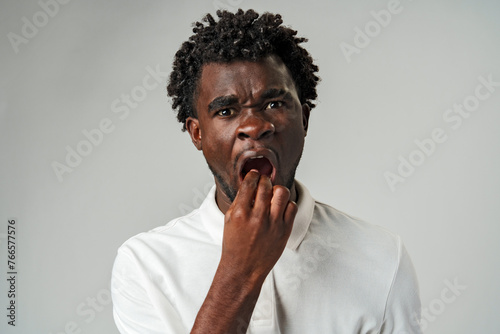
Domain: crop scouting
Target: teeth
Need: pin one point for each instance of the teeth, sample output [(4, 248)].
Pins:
[(259, 157)]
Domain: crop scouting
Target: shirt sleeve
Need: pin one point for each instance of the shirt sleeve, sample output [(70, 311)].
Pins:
[(403, 308), (137, 307)]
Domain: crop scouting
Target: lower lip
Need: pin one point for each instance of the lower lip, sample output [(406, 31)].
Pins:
[(273, 175)]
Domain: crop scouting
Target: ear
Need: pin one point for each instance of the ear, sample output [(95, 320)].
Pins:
[(306, 111), (193, 127)]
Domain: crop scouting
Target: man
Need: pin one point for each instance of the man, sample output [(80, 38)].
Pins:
[(259, 255)]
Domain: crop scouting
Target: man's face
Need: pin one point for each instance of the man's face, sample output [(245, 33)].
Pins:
[(249, 117)]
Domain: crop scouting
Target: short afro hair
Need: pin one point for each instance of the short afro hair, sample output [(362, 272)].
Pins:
[(238, 36)]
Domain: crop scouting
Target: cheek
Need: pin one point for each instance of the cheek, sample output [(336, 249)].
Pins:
[(217, 147), (288, 118), (222, 142), (291, 126)]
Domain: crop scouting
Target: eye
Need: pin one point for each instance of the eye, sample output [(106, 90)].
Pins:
[(275, 104), (226, 112)]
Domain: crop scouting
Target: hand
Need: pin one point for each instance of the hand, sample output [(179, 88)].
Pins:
[(257, 227)]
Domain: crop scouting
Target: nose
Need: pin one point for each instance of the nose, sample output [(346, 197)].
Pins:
[(255, 126)]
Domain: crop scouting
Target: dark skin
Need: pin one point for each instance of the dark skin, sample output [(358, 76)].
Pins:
[(245, 110)]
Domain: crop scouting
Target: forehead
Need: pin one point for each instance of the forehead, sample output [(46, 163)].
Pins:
[(245, 79)]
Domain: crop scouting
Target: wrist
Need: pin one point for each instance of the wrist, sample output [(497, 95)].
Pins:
[(239, 282)]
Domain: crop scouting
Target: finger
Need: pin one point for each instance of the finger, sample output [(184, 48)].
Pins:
[(263, 197), (279, 202), (289, 217), (246, 193)]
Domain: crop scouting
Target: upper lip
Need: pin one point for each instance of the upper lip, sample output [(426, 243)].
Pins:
[(257, 153)]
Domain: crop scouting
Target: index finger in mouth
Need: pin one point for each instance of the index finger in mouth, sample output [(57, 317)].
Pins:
[(248, 188)]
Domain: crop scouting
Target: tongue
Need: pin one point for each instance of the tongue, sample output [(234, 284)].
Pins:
[(263, 165)]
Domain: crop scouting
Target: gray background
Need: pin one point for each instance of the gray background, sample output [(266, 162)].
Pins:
[(64, 78)]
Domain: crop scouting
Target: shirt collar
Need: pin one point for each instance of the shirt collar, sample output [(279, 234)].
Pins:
[(213, 219)]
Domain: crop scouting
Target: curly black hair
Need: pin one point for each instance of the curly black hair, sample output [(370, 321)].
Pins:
[(238, 36)]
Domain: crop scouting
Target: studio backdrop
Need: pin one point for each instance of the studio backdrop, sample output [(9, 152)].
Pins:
[(405, 135)]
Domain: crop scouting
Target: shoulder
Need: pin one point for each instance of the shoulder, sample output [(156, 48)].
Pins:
[(345, 225), (359, 245), (165, 237), (357, 238)]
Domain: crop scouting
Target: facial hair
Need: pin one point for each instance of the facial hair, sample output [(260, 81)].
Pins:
[(231, 192)]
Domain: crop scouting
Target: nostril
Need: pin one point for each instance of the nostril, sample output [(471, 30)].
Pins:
[(267, 133), (243, 135)]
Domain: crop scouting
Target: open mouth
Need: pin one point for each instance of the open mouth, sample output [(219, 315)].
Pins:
[(260, 163)]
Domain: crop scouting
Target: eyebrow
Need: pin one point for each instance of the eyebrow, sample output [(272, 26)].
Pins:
[(227, 100), (272, 93), (222, 101)]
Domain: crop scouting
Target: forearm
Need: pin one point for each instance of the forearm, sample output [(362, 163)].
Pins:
[(256, 228), (229, 304)]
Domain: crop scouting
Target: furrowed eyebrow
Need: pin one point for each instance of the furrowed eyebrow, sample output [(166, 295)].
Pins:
[(221, 102), (274, 93), (228, 100)]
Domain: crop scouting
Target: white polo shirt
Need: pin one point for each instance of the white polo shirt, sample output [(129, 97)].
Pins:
[(337, 274)]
